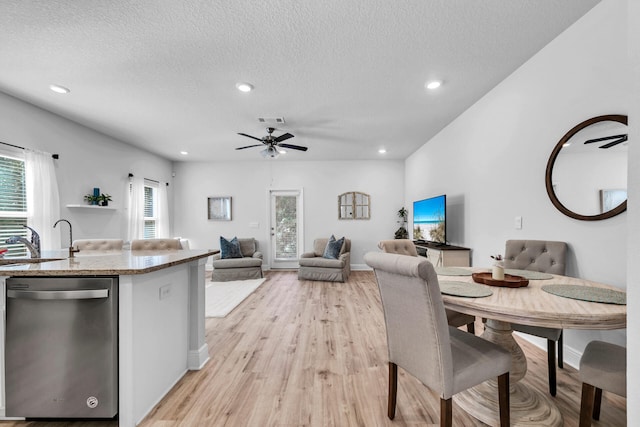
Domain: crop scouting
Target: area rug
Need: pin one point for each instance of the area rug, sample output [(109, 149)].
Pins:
[(222, 297)]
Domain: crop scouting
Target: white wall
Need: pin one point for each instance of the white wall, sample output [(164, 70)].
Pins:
[(633, 226), (88, 159), (491, 160), (248, 183)]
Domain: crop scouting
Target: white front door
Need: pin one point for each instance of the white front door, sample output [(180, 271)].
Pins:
[(286, 228)]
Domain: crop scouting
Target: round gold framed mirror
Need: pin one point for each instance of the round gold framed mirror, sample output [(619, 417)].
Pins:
[(586, 175)]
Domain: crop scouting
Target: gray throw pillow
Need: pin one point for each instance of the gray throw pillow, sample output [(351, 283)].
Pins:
[(333, 248), (230, 248)]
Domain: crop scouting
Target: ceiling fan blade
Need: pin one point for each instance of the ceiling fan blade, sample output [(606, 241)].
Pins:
[(249, 146), (293, 147), (616, 142), (606, 138), (249, 136), (283, 137)]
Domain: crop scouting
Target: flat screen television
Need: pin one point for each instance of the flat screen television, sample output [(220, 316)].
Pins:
[(430, 219)]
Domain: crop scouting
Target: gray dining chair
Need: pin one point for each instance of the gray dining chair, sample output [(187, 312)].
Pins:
[(420, 341), (406, 247), (603, 366), (545, 257)]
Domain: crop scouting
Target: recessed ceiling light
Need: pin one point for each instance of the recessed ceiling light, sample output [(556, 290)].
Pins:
[(382, 151), (244, 87), (435, 84), (59, 89), (184, 153)]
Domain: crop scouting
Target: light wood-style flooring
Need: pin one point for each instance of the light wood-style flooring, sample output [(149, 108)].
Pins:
[(314, 354)]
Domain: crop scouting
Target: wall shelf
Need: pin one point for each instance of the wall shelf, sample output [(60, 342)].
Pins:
[(104, 208)]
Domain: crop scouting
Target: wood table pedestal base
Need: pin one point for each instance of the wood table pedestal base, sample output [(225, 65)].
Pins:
[(529, 407)]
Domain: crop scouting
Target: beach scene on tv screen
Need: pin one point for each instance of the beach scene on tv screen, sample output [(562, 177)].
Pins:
[(429, 220)]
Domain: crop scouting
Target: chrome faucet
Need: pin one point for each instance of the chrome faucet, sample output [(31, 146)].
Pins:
[(33, 245), (71, 250), (70, 230)]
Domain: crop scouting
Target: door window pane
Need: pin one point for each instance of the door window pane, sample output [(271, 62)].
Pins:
[(286, 232)]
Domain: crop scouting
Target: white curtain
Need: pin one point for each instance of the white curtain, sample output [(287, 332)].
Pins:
[(162, 230), (43, 199), (136, 208)]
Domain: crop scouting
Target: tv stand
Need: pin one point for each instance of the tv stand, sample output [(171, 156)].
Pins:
[(443, 255)]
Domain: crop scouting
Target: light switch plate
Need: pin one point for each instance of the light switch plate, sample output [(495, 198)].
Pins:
[(518, 223)]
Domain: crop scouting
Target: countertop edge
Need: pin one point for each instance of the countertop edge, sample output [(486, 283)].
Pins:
[(54, 268)]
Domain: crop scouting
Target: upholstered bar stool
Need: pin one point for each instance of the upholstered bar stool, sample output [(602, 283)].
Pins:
[(98, 244), (155, 244), (603, 366)]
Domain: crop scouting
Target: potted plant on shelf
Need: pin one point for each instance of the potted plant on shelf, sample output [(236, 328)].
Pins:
[(91, 199), (104, 199), (402, 233)]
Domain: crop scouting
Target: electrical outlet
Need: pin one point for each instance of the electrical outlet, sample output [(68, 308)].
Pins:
[(518, 223), (165, 291)]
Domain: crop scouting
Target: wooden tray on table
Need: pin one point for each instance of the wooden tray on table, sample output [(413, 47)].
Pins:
[(510, 281)]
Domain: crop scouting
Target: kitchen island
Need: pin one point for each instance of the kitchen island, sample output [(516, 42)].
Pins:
[(161, 333)]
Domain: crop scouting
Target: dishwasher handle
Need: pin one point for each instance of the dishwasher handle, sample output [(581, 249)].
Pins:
[(58, 295)]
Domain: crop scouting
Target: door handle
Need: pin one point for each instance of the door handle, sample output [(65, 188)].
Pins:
[(58, 295)]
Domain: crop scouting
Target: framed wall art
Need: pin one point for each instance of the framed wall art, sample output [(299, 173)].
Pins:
[(219, 208)]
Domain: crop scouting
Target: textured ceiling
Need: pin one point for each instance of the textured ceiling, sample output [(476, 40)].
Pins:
[(347, 75)]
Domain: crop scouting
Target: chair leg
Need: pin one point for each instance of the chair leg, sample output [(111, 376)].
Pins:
[(597, 401), (551, 362), (586, 404), (393, 390), (446, 412), (561, 350), (504, 400), (471, 328)]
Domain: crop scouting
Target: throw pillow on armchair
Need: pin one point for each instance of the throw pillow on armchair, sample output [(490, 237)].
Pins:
[(333, 248), (230, 248)]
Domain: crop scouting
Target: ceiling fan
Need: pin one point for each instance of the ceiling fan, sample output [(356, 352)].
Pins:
[(272, 143), (618, 139)]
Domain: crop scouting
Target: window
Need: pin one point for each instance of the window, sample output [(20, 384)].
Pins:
[(150, 210), (13, 203)]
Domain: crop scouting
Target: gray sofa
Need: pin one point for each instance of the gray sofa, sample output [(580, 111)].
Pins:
[(247, 267), (314, 267)]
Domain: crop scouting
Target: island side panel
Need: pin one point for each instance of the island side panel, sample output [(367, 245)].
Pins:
[(198, 348), (154, 341)]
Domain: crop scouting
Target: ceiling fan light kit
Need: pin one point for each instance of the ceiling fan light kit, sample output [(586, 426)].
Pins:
[(271, 152), (273, 144)]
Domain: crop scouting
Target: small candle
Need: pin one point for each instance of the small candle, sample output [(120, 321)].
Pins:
[(498, 272)]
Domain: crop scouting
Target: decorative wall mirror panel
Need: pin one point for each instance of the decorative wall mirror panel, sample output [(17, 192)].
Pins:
[(354, 205), (586, 174)]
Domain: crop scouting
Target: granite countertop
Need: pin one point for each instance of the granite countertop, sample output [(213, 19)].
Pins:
[(102, 263)]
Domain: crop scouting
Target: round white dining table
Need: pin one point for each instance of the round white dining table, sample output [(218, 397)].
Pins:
[(528, 305)]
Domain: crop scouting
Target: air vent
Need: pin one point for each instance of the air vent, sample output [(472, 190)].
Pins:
[(271, 120)]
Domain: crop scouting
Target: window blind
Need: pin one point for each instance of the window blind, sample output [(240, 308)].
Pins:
[(13, 203), (150, 215)]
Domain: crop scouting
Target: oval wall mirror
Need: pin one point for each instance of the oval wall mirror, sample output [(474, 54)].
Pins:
[(586, 174)]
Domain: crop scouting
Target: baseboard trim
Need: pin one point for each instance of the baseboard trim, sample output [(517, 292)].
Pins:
[(196, 359)]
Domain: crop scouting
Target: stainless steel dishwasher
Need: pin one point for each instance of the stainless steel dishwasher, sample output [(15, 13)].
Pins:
[(61, 349)]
